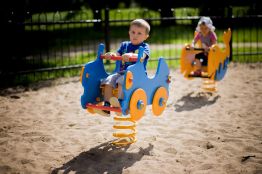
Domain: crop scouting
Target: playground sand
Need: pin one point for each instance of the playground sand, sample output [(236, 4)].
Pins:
[(44, 130)]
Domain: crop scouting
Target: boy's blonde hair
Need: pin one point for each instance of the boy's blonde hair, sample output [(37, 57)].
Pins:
[(141, 23)]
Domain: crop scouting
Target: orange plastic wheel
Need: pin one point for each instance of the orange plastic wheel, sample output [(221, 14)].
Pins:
[(129, 80), (138, 104), (159, 101)]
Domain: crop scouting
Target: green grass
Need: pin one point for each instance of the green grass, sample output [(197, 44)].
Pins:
[(75, 60), (248, 34), (246, 57), (168, 53), (155, 54), (62, 40), (168, 35), (87, 57)]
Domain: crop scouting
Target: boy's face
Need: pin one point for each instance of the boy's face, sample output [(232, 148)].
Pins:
[(137, 34), (204, 29)]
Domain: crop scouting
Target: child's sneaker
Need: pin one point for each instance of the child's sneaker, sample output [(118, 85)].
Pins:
[(108, 105), (115, 103), (101, 112), (197, 73)]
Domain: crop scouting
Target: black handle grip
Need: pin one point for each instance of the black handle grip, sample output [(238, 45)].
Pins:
[(196, 49)]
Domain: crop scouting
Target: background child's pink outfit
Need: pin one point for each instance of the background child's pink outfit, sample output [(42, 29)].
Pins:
[(206, 41)]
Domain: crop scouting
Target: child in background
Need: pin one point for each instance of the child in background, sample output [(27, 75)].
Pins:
[(138, 33), (206, 34)]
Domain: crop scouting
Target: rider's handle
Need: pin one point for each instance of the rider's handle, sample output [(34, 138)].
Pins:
[(114, 57)]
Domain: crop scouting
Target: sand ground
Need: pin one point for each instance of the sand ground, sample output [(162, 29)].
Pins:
[(44, 130)]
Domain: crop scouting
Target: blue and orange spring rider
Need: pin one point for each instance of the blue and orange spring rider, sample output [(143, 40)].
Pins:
[(138, 89)]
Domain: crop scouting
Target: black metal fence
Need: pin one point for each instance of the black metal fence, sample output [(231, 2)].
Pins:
[(49, 45)]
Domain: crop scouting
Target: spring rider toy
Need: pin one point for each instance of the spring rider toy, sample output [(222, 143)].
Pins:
[(139, 91), (217, 62)]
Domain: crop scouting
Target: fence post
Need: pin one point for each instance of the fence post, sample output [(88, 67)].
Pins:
[(230, 20), (107, 38)]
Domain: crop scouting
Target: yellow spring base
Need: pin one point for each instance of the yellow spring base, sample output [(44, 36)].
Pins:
[(128, 128), (209, 85)]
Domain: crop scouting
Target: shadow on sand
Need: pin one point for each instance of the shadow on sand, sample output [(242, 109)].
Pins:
[(105, 158), (193, 101)]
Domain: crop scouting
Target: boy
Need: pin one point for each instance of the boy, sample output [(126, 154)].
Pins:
[(138, 32)]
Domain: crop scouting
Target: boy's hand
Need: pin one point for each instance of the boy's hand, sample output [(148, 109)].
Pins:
[(108, 55), (207, 49), (127, 56), (189, 47)]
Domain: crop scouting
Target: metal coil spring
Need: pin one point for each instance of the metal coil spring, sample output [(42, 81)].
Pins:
[(209, 85), (124, 138)]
